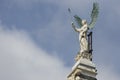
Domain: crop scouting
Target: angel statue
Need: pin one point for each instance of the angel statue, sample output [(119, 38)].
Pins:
[(84, 27)]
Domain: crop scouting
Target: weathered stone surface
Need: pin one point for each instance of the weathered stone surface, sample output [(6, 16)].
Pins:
[(83, 55), (83, 68)]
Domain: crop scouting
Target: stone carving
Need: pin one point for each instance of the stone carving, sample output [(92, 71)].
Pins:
[(84, 68), (82, 35), (84, 27), (83, 55), (77, 78)]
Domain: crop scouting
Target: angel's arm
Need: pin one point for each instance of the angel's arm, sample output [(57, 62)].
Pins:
[(77, 30)]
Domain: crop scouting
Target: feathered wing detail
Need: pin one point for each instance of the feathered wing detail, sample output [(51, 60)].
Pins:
[(94, 15), (78, 20)]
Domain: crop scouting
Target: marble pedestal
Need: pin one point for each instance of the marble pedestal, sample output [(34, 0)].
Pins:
[(84, 69)]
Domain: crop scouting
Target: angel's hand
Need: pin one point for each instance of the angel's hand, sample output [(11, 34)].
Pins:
[(73, 24)]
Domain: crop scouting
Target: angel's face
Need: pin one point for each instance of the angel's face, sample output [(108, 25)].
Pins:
[(84, 22)]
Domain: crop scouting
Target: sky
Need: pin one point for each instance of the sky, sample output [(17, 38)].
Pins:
[(37, 41)]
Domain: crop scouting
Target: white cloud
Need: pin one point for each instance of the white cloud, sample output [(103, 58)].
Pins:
[(22, 59)]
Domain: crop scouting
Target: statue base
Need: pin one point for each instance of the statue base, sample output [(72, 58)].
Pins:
[(84, 68), (84, 54)]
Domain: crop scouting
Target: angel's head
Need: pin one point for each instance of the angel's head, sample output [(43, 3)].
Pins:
[(84, 22)]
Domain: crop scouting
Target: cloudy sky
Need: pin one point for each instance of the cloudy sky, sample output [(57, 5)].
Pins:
[(37, 41)]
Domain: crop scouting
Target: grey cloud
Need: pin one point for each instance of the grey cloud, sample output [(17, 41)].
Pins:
[(107, 72)]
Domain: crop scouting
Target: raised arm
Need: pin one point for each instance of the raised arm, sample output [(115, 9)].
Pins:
[(77, 30)]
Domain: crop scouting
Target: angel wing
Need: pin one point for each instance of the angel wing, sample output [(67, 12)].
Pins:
[(78, 20), (94, 15)]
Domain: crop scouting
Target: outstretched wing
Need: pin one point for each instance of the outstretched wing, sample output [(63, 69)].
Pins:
[(78, 20), (94, 15)]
